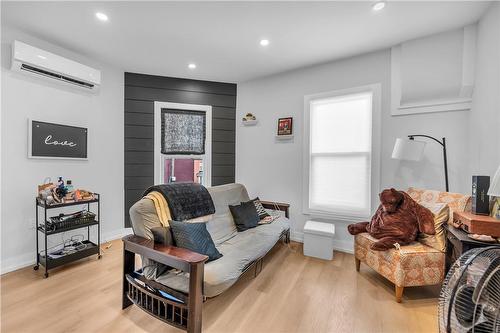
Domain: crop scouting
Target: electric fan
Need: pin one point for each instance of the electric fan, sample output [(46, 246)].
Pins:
[(470, 296)]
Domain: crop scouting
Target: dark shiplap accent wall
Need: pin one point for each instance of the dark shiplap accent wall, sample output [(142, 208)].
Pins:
[(141, 91)]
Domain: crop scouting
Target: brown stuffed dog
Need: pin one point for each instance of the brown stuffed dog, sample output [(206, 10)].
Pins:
[(398, 219)]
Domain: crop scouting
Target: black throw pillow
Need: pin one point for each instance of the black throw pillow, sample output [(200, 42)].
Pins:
[(194, 237), (245, 215)]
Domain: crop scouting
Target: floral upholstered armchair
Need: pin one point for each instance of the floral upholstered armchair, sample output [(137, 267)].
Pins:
[(422, 262)]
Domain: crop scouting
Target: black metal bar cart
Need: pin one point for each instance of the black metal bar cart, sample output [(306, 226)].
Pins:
[(87, 247)]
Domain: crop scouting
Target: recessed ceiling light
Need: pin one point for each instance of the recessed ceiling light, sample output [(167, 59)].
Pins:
[(101, 16), (378, 6), (264, 42), (192, 66)]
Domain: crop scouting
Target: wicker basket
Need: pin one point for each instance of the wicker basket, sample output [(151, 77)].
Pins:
[(55, 222)]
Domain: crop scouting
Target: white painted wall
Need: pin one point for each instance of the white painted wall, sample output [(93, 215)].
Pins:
[(485, 121), (26, 97), (273, 169)]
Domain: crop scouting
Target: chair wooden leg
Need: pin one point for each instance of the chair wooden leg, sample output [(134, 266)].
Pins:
[(358, 264), (399, 293)]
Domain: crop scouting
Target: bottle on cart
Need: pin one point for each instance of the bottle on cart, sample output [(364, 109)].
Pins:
[(69, 186)]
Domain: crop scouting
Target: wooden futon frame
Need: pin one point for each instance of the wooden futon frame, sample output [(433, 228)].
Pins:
[(182, 310)]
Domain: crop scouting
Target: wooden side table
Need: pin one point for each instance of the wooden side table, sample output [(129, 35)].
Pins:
[(458, 242)]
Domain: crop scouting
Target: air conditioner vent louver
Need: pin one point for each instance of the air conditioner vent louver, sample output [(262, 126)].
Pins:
[(55, 76), (29, 59)]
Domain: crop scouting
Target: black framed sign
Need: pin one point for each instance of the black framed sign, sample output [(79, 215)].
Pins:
[(50, 140)]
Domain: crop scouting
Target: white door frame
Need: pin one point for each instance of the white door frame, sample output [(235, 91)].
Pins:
[(207, 163)]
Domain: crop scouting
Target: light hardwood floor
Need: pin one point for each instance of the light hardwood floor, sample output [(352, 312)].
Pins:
[(293, 293)]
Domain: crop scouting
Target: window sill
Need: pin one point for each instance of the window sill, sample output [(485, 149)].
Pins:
[(337, 216)]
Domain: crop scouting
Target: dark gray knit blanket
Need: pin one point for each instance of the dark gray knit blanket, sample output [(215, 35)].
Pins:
[(185, 200)]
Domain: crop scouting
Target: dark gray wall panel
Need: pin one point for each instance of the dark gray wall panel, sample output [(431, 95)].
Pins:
[(132, 118), (139, 132), (223, 159), (141, 91), (138, 183), (223, 136), (222, 180), (223, 124), (139, 170), (139, 157), (134, 144), (223, 171), (222, 147), (139, 106), (153, 81), (179, 96), (223, 112)]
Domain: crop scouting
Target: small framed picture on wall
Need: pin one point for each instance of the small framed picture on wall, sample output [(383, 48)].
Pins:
[(285, 126)]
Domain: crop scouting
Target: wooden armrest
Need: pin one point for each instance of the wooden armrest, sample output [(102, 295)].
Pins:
[(273, 205), (168, 255)]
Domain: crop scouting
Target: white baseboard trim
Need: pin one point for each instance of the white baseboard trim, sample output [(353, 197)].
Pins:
[(17, 262), (297, 236), (115, 234), (28, 259), (338, 244)]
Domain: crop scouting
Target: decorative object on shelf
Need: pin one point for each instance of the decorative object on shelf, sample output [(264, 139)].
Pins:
[(50, 140), (285, 126), (477, 224), (249, 120), (249, 116), (412, 150), (494, 191), (70, 250), (61, 193), (480, 198), (482, 238)]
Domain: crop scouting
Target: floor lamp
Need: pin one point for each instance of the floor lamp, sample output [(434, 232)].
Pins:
[(412, 150)]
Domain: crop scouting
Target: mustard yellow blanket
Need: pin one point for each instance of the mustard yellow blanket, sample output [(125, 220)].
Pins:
[(161, 207)]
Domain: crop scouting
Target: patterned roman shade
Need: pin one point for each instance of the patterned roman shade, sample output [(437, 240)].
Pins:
[(183, 132)]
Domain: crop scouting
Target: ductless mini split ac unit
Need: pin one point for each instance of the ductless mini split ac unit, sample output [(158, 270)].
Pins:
[(31, 60)]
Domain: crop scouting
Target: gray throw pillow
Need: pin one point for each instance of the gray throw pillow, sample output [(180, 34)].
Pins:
[(194, 237)]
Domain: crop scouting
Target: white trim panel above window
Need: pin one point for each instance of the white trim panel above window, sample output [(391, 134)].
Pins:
[(338, 153)]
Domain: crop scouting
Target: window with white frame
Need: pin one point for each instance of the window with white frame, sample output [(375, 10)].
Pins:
[(338, 153), (182, 143)]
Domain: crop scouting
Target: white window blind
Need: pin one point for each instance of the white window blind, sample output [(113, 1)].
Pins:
[(340, 154)]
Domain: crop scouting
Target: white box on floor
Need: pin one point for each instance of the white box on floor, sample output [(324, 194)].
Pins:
[(318, 239)]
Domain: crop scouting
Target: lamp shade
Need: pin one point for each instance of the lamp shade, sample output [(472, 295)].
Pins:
[(409, 150), (494, 189)]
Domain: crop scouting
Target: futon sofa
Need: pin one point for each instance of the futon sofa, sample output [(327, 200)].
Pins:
[(183, 274), (415, 264)]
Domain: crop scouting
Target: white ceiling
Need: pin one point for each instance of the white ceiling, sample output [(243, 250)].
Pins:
[(222, 38)]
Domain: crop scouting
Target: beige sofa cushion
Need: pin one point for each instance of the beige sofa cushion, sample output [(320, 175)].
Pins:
[(238, 252), (143, 217), (221, 227), (441, 214), (457, 202)]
